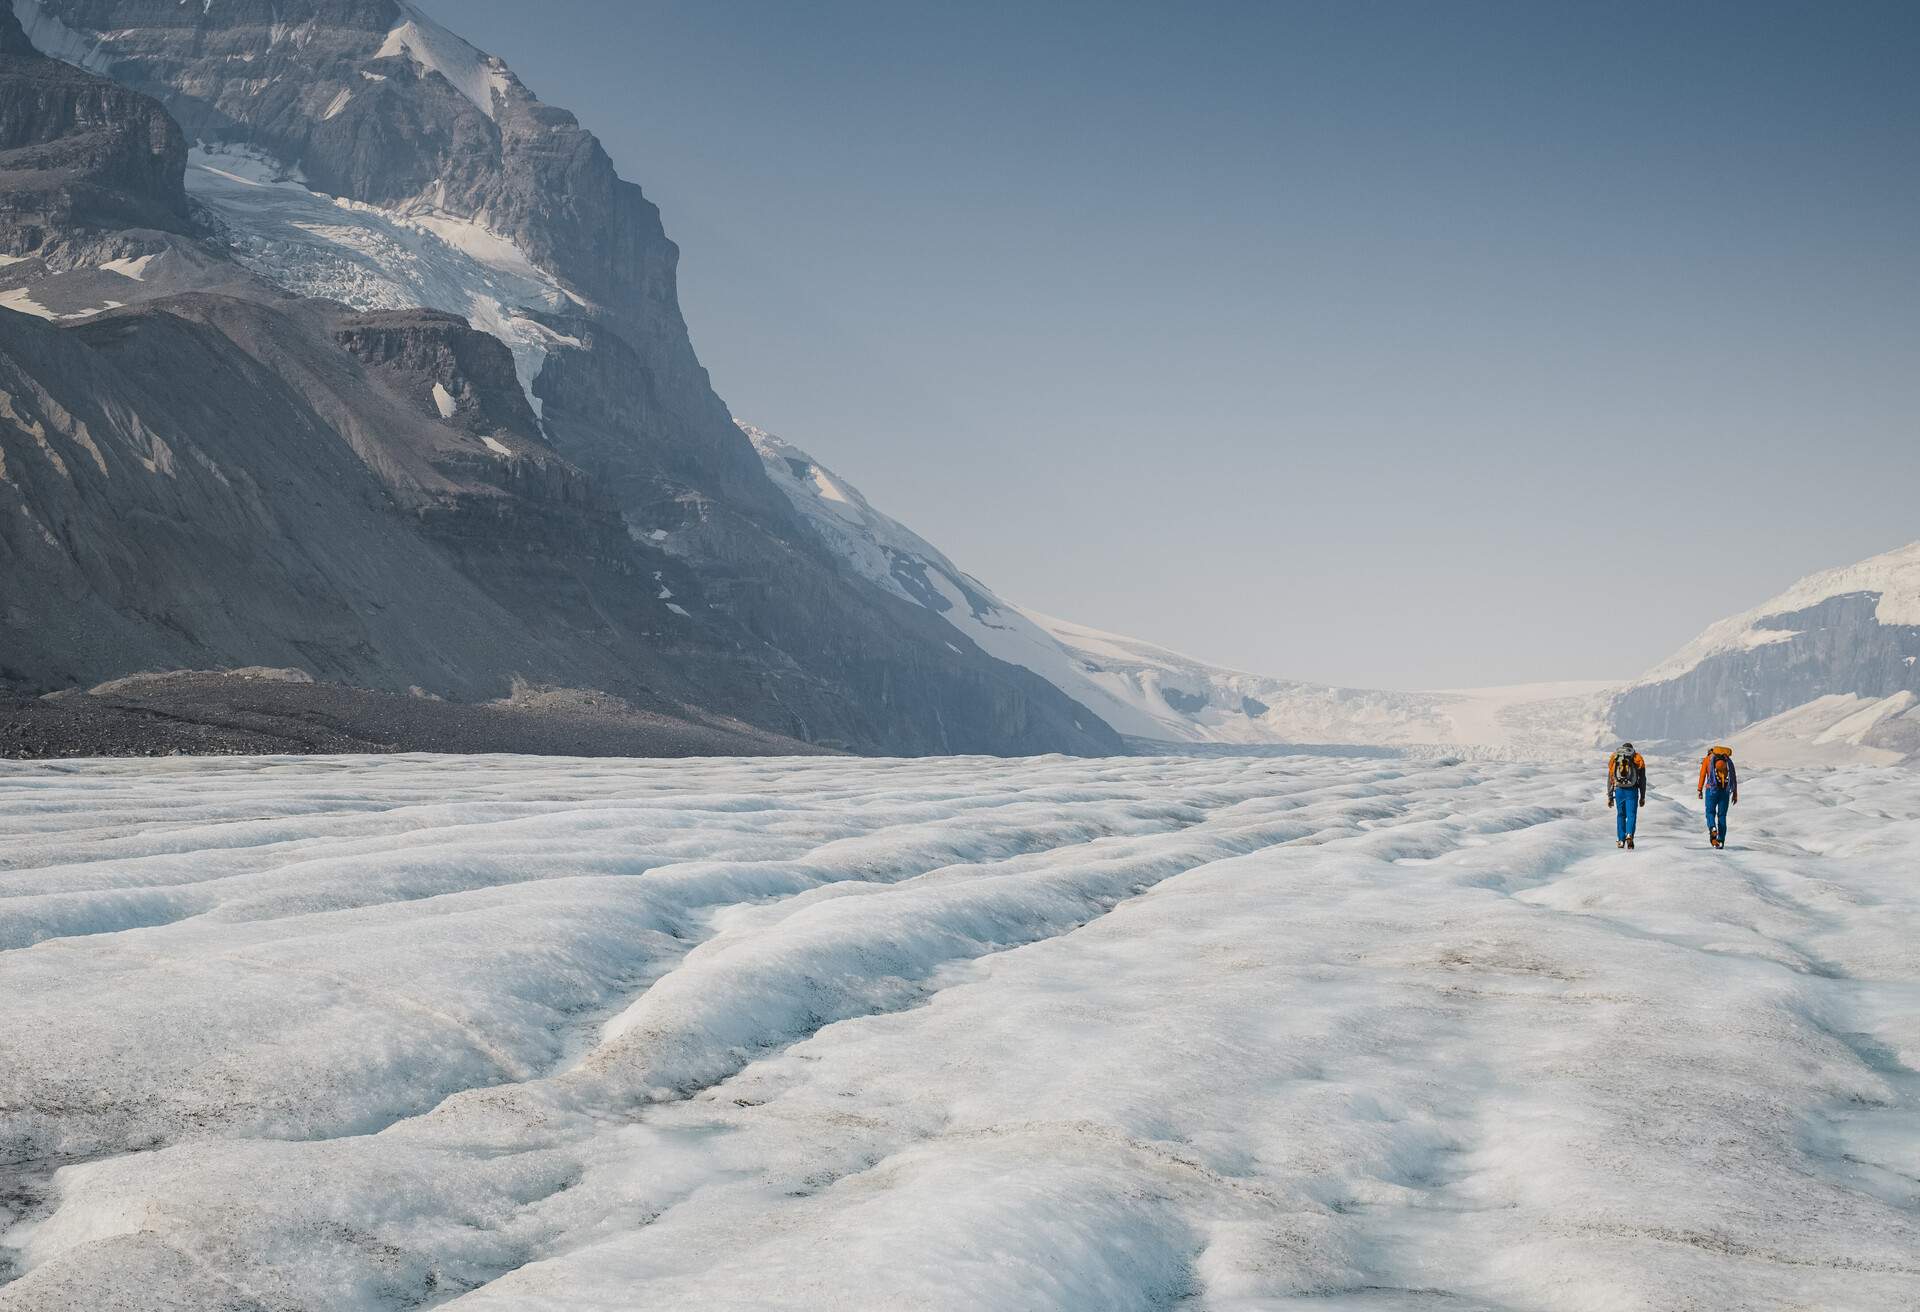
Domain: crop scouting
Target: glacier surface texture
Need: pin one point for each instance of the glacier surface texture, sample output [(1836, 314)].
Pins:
[(1214, 1033)]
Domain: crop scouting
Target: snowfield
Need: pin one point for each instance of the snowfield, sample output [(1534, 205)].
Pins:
[(1218, 1033)]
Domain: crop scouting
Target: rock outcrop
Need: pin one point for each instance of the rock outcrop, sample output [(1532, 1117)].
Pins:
[(78, 154), (463, 444)]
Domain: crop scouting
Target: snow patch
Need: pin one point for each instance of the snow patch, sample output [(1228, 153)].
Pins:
[(19, 298), (481, 243), (477, 76), (134, 267), (242, 166), (338, 103), (1838, 729), (828, 489), (496, 447), (443, 402)]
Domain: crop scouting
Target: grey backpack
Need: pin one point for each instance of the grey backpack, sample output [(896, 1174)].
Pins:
[(1626, 773)]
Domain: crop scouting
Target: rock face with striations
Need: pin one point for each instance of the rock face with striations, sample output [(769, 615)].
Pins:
[(79, 154), (387, 380)]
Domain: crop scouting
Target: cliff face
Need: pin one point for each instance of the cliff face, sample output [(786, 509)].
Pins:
[(390, 383), (1850, 634), (1837, 646), (79, 154), (374, 101)]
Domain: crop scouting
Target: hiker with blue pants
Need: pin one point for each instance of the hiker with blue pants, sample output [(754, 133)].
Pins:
[(1626, 791), (1719, 789)]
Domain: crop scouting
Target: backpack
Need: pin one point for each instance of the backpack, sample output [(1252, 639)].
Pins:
[(1719, 767), (1626, 770)]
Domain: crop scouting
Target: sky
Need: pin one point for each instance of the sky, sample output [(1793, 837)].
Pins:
[(1389, 344)]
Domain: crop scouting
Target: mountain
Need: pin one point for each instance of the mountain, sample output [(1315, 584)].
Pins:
[(326, 346), (334, 349), (1153, 695), (1831, 663)]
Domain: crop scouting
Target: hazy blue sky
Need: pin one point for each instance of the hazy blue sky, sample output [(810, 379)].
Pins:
[(1406, 344)]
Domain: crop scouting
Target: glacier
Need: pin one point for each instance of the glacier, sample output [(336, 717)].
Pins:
[(1227, 1033), (373, 258), (1823, 674)]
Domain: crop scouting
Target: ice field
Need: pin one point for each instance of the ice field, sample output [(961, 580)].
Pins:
[(1216, 1034)]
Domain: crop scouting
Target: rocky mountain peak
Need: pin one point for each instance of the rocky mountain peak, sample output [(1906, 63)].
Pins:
[(425, 411)]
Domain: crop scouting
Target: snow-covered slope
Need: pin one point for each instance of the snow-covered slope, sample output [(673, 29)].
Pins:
[(1089, 1036), (475, 74), (1838, 729), (1852, 632), (1149, 692), (894, 558)]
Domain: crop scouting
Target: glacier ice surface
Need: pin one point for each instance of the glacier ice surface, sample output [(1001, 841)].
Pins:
[(370, 1033)]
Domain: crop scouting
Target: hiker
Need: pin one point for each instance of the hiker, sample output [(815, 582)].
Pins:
[(1719, 788), (1626, 791)]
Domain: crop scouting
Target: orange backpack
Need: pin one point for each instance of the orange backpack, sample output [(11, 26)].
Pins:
[(1719, 767)]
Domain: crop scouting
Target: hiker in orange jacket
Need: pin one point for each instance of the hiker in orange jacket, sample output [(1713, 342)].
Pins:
[(1719, 788), (1626, 791)]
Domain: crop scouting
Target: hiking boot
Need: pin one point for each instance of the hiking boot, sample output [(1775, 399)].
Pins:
[(1629, 842), (1619, 842)]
